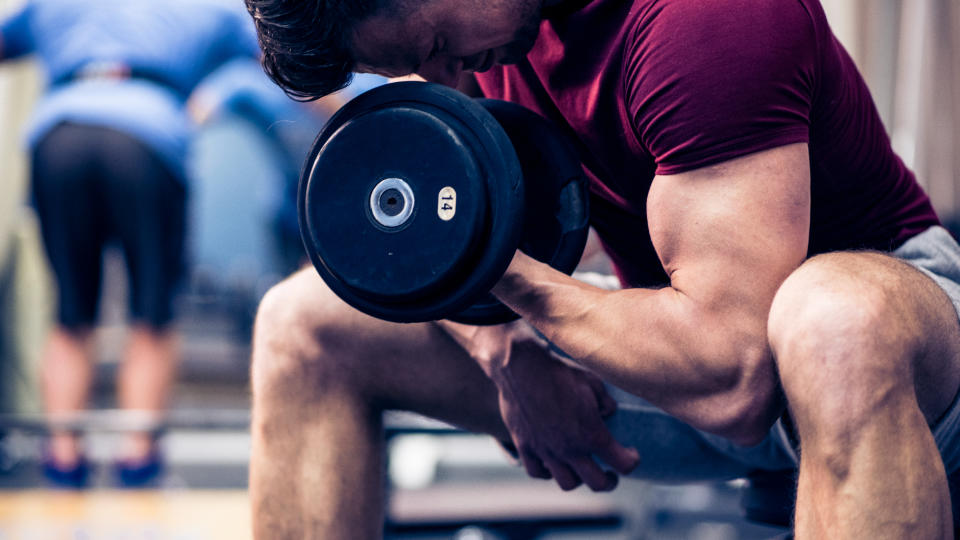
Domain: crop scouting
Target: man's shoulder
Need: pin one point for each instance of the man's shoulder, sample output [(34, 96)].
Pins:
[(718, 19), (708, 81), (700, 34)]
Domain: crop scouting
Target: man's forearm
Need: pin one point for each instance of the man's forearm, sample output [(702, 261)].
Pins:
[(710, 367)]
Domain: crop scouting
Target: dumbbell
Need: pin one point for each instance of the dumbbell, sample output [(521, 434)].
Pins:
[(414, 198)]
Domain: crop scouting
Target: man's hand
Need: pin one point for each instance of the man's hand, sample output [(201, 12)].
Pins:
[(555, 416), (554, 412)]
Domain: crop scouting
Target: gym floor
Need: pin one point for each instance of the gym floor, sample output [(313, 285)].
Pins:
[(450, 486), (202, 496), (441, 484)]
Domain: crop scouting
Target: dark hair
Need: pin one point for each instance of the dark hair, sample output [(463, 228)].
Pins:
[(306, 48)]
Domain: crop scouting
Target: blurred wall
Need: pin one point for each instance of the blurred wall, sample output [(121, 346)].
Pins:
[(25, 285), (909, 52), (18, 89)]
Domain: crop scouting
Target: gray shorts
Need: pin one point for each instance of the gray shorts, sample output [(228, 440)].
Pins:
[(672, 451)]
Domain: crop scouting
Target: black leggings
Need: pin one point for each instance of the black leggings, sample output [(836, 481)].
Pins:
[(93, 185)]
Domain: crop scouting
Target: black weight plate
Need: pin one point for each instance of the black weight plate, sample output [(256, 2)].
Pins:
[(409, 261), (556, 222), (433, 137)]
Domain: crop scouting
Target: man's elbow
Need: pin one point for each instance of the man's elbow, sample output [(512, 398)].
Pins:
[(753, 404), (751, 424)]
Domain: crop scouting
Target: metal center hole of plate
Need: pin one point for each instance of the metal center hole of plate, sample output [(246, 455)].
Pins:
[(391, 202)]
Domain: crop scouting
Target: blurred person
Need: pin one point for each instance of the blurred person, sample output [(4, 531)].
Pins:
[(108, 142), (789, 297), (288, 127)]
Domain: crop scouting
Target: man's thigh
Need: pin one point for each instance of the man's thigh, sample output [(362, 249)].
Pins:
[(673, 451), (937, 372), (308, 343), (888, 321)]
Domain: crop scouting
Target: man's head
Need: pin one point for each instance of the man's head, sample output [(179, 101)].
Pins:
[(312, 46)]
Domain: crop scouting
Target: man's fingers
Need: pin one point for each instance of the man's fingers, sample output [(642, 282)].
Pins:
[(593, 476), (605, 403), (564, 476), (623, 460), (534, 465), (608, 405)]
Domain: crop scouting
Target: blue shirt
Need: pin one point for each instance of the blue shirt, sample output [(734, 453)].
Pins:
[(176, 42), (242, 87), (289, 127)]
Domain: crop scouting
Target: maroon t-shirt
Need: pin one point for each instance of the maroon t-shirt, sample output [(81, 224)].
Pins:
[(665, 86)]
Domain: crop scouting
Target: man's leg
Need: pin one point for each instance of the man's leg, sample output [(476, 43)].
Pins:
[(145, 380), (146, 209), (69, 210), (67, 374), (322, 373), (867, 348)]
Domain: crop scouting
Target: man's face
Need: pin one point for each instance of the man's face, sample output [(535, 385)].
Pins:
[(437, 39)]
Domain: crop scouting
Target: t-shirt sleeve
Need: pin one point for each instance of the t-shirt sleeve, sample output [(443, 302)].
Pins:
[(707, 82), (16, 38)]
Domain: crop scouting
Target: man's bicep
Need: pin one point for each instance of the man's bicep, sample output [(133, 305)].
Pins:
[(729, 234)]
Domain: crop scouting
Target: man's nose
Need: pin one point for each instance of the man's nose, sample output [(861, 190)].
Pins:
[(442, 69)]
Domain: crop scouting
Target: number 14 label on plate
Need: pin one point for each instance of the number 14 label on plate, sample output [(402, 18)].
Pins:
[(447, 203)]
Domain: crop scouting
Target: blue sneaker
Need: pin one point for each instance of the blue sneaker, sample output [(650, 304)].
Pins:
[(140, 473), (75, 477)]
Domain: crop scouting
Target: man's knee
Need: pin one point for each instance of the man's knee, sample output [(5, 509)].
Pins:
[(290, 357), (844, 341)]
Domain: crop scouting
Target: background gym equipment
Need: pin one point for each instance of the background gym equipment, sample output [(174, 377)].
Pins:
[(415, 197), (206, 419)]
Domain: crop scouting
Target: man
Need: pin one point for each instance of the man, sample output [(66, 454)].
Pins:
[(108, 144), (777, 259)]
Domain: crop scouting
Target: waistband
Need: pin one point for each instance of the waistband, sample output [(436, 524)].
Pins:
[(118, 71)]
